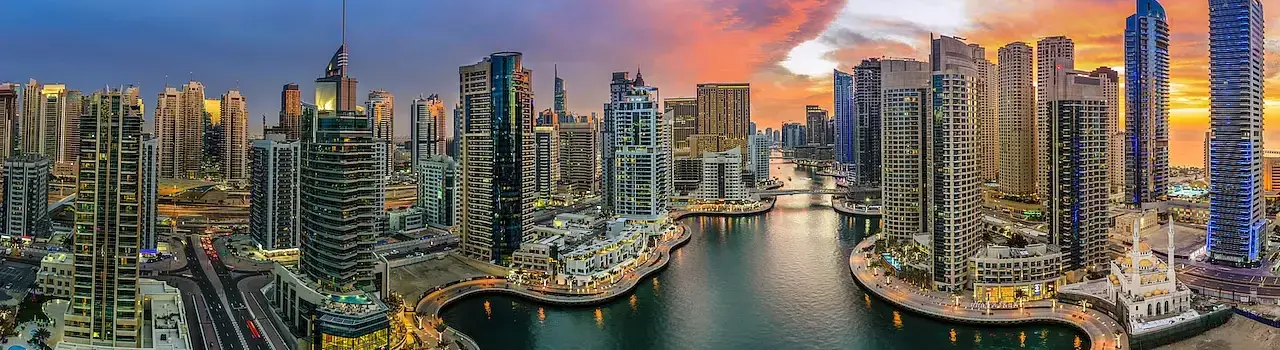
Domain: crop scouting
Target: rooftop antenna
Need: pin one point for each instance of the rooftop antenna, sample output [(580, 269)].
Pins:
[(344, 23)]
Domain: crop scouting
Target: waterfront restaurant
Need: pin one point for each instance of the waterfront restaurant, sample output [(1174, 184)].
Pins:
[(1008, 275)]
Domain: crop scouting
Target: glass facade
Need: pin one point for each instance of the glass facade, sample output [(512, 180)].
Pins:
[(844, 130), (867, 128), (1237, 221), (1146, 69)]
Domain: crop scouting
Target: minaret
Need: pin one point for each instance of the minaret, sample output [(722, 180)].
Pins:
[(1169, 255), (1134, 255)]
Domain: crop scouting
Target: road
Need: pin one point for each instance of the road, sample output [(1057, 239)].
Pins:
[(221, 300)]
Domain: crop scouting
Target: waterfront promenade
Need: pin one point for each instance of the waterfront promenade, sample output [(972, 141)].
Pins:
[(1103, 331), (428, 308)]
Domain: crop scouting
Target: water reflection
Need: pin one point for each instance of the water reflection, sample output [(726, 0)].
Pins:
[(777, 281)]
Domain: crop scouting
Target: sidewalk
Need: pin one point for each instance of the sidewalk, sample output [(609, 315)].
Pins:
[(1103, 332)]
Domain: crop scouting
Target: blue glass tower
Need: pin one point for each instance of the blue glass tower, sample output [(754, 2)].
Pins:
[(843, 91), (1146, 69), (1237, 222)]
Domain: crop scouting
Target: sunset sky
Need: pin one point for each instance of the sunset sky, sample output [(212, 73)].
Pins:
[(785, 49)]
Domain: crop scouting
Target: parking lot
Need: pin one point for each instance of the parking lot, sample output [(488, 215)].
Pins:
[(17, 278)]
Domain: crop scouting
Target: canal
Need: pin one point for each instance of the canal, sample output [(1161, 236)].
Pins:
[(775, 281)]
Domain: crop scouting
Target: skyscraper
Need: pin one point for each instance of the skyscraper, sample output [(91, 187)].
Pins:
[(684, 114), (1052, 53), (1017, 120), (867, 133), (725, 110), (1115, 136), (546, 164), (45, 120), (235, 137), (214, 143), (8, 119), (179, 119), (793, 135), (815, 124), (846, 130), (1076, 166), (342, 172), (1237, 218), (291, 111), (1146, 86), (427, 137), (907, 111), (561, 100), (758, 155), (381, 107), (580, 157), (149, 187), (107, 236), (330, 300), (987, 97), (642, 150), (618, 88), (497, 165), (274, 187), (954, 149), (24, 211)]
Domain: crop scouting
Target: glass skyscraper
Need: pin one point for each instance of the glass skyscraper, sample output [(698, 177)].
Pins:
[(1146, 69), (1237, 220), (498, 161), (843, 90)]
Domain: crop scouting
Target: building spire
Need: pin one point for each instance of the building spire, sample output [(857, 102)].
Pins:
[(344, 23)]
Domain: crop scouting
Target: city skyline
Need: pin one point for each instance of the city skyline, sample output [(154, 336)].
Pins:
[(793, 41)]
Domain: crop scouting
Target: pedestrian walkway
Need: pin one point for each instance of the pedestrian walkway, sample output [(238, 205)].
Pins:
[(1103, 331), (429, 306)]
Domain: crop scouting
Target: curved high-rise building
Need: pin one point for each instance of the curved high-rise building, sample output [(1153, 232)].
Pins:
[(1146, 91), (842, 91), (1237, 217)]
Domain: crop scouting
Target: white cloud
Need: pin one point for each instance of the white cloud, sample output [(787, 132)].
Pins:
[(878, 20)]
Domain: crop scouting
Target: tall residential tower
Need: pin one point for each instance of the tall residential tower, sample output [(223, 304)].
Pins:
[(1146, 87), (1237, 211)]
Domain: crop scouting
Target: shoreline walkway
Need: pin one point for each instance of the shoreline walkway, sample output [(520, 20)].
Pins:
[(428, 308), (1103, 331)]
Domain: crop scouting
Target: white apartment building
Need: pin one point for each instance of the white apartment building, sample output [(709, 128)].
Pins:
[(642, 156), (722, 177), (758, 151)]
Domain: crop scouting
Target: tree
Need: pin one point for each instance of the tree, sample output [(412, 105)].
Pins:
[(1017, 240)]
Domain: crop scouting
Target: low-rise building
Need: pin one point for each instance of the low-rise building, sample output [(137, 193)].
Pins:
[(579, 249), (56, 277), (1007, 275), (164, 326), (406, 219), (598, 258)]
